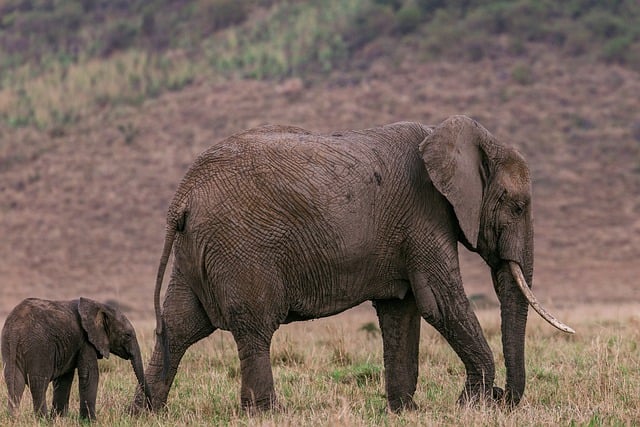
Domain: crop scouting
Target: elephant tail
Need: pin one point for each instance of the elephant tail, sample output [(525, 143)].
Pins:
[(175, 222), (10, 359)]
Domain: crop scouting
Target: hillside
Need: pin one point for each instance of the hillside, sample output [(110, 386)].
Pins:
[(83, 192)]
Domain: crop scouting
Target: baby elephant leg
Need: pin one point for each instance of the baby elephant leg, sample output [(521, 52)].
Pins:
[(15, 387), (38, 388), (61, 391), (88, 382)]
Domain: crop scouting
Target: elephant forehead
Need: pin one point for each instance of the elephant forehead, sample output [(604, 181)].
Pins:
[(515, 174)]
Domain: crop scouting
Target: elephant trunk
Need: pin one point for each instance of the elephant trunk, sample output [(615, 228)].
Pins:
[(136, 363), (514, 308), (515, 296)]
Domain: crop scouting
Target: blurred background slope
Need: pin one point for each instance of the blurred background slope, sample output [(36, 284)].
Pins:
[(104, 104)]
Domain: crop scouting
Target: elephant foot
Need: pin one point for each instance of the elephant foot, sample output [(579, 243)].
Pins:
[(498, 394), (480, 396), (255, 406), (499, 397), (510, 400), (136, 408), (140, 404), (400, 405)]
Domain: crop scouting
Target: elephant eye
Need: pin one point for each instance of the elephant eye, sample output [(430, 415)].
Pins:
[(518, 209)]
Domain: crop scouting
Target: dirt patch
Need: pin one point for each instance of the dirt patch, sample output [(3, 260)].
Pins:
[(82, 211)]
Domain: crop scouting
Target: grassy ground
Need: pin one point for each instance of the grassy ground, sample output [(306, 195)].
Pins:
[(329, 372)]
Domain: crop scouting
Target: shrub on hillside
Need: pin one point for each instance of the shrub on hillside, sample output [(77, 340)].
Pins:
[(617, 50), (408, 18), (370, 23), (218, 14), (120, 36)]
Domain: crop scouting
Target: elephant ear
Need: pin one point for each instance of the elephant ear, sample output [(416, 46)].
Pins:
[(93, 319), (455, 155)]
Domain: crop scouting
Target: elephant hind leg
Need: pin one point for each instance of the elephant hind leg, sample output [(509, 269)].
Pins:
[(38, 387), (257, 391), (252, 332), (61, 392), (15, 388)]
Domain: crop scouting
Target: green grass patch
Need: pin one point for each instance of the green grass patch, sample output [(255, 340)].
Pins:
[(360, 374)]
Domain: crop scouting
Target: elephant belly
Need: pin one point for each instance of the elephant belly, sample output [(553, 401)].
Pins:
[(343, 298)]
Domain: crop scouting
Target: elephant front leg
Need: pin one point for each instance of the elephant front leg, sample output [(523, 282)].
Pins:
[(185, 323), (443, 304), (88, 377), (400, 325)]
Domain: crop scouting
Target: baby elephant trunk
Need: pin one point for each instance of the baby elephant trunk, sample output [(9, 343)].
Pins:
[(136, 363)]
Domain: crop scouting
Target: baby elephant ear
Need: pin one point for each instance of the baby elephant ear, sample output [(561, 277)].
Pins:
[(455, 157), (92, 317)]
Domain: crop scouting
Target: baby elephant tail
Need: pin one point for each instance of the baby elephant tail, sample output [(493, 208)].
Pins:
[(13, 377)]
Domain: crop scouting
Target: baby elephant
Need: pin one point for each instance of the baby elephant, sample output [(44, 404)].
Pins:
[(44, 341)]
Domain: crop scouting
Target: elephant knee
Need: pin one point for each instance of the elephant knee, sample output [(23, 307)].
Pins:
[(428, 307)]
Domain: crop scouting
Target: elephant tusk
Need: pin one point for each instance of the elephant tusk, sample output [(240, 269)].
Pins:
[(516, 271)]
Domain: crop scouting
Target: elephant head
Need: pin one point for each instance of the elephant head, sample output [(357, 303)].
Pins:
[(489, 187), (109, 330)]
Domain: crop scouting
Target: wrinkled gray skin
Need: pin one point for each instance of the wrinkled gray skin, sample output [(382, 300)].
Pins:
[(277, 224), (45, 341)]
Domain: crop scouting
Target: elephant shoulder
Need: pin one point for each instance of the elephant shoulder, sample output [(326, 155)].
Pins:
[(419, 130), (251, 140), (29, 305), (35, 310), (272, 129)]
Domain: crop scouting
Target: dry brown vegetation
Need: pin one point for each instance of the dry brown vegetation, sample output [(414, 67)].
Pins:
[(329, 372), (83, 208)]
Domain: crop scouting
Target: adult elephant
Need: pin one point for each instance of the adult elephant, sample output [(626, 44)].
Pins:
[(277, 224)]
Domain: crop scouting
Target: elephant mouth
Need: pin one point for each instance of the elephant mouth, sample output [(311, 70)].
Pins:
[(516, 271)]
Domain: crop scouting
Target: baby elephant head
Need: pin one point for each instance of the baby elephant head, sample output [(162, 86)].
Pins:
[(109, 330)]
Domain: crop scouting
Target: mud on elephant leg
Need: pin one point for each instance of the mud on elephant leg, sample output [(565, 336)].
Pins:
[(400, 325), (446, 308), (185, 323)]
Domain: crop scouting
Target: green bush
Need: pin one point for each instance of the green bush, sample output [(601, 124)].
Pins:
[(522, 74), (578, 41), (119, 37), (218, 14), (393, 4), (408, 18), (430, 6), (616, 50), (604, 25), (370, 23)]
